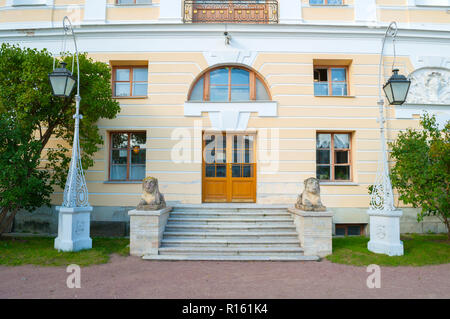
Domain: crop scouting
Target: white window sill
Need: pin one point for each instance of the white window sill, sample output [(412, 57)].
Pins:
[(338, 184)]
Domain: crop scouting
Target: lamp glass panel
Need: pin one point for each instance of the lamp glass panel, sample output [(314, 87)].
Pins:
[(400, 90), (58, 84), (388, 91), (69, 86)]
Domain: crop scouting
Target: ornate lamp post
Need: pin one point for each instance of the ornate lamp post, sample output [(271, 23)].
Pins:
[(74, 213), (384, 217)]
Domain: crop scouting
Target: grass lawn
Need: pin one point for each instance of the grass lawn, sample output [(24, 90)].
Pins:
[(39, 251), (419, 250)]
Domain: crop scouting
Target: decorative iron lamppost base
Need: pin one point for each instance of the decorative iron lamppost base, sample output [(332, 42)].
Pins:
[(385, 232), (73, 228)]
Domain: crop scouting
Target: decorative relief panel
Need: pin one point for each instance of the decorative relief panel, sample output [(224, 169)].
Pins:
[(429, 86)]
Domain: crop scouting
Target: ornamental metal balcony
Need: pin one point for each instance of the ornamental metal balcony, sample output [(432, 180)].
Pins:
[(231, 11)]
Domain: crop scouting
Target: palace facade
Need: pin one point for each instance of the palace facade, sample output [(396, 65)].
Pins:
[(271, 92)]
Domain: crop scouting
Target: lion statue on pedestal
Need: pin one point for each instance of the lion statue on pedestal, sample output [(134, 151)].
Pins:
[(309, 200), (151, 198)]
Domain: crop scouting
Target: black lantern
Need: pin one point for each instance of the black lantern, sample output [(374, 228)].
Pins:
[(396, 88), (62, 81)]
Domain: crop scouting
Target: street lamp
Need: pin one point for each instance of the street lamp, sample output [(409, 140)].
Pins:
[(75, 211), (384, 217)]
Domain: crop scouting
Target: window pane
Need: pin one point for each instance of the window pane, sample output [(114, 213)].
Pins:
[(237, 156), (119, 156), (320, 88), (220, 156), (240, 77), (143, 1), (138, 139), (125, 1), (122, 75), (210, 170), (137, 172), (323, 172), (139, 89), (236, 171), (338, 74), (339, 89), (219, 76), (118, 172), (221, 171), (316, 1), (261, 93), (354, 230), (323, 140), (218, 93), (140, 74), (340, 231), (240, 93), (320, 75), (341, 157), (122, 89), (247, 171), (210, 155), (341, 141), (335, 2), (137, 156), (323, 156), (119, 140), (342, 173), (197, 92)]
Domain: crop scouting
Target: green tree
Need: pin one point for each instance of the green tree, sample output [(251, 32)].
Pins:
[(31, 115), (421, 173)]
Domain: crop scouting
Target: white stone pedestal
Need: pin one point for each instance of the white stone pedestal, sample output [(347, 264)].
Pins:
[(73, 228), (146, 230), (385, 232), (315, 231)]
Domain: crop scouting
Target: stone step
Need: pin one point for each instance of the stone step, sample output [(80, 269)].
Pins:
[(298, 257), (214, 214), (230, 234), (181, 227), (208, 220), (227, 251), (228, 242)]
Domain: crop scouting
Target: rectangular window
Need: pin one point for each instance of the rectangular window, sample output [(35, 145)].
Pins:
[(29, 2), (333, 156), (350, 229), (133, 1), (330, 81), (327, 2), (127, 156), (130, 81)]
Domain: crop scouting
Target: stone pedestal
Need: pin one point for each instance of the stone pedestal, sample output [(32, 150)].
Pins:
[(146, 230), (385, 232), (314, 230), (73, 228)]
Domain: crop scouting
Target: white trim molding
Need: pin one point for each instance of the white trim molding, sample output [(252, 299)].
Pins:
[(231, 116)]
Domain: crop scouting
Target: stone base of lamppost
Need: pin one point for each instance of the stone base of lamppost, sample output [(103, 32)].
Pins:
[(385, 232), (73, 228)]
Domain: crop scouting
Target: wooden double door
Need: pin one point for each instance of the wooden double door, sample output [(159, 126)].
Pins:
[(229, 167)]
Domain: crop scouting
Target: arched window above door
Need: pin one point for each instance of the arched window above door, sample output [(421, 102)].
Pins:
[(229, 84)]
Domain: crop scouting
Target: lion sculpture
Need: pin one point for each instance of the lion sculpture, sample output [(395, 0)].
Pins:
[(151, 198), (309, 200)]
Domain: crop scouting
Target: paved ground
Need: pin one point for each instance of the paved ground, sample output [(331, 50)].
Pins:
[(131, 277)]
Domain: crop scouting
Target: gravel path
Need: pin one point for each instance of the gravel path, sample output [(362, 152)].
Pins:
[(131, 277)]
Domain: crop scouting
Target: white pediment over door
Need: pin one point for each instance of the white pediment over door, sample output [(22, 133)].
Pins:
[(230, 116)]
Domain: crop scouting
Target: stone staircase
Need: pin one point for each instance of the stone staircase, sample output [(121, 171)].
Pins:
[(220, 232)]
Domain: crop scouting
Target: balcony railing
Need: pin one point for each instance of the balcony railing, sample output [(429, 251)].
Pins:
[(231, 11)]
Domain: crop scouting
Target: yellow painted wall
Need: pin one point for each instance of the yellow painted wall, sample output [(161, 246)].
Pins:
[(300, 115)]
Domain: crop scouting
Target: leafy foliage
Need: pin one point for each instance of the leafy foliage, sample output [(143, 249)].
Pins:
[(29, 109), (421, 173)]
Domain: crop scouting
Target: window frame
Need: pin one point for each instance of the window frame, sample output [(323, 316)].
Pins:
[(326, 3), (330, 82), (131, 4), (130, 68), (207, 85), (332, 157), (345, 226), (110, 164)]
